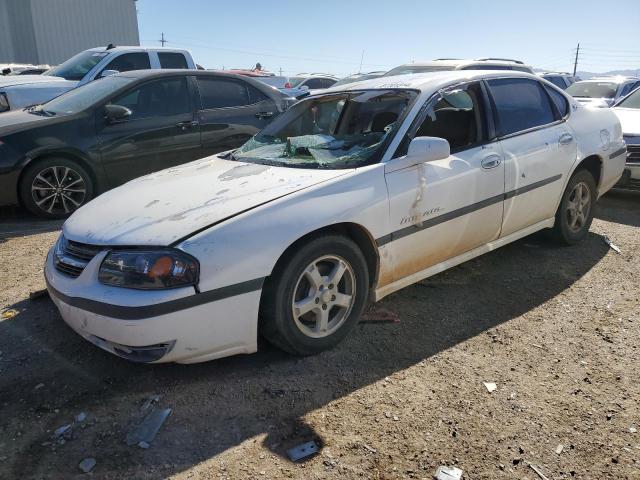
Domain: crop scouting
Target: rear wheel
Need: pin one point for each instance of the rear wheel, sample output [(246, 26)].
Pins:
[(55, 187), (312, 301), (575, 213)]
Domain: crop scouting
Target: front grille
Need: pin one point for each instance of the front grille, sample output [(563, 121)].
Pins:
[(72, 257), (633, 153)]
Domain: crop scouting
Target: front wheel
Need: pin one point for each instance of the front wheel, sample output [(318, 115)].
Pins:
[(575, 213), (55, 187), (315, 296)]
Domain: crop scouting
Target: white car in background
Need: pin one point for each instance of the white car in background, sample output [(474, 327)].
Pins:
[(628, 111), (345, 198), (602, 91), (442, 64)]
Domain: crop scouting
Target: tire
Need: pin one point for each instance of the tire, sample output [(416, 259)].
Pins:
[(55, 187), (575, 213), (304, 277)]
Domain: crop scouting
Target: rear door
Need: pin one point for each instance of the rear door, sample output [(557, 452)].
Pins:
[(160, 133), (231, 111), (538, 145)]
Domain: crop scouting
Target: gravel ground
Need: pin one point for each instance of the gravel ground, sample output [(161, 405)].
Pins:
[(556, 328)]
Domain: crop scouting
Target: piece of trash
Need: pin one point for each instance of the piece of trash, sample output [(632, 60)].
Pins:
[(38, 386), (38, 294), (537, 346), (632, 430), (491, 386), (87, 464), (149, 402), (538, 471), (370, 448), (81, 417), (559, 448), (303, 450), (62, 431), (379, 315), (9, 313), (146, 430), (143, 444), (612, 246), (448, 473)]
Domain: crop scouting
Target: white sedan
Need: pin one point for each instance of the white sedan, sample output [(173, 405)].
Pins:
[(628, 111), (347, 197)]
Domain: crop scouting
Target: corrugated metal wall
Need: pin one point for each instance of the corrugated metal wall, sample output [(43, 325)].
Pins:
[(50, 31)]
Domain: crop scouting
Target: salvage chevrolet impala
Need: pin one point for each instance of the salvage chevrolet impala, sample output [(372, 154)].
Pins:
[(345, 198)]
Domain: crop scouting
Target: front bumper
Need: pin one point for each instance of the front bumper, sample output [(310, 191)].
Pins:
[(157, 326), (9, 188)]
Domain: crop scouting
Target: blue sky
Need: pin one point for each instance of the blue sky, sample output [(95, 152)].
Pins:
[(330, 36)]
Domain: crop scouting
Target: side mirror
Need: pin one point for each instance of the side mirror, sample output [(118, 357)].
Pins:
[(108, 73), (116, 113), (428, 149)]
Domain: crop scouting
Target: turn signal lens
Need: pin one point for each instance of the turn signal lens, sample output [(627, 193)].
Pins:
[(149, 270)]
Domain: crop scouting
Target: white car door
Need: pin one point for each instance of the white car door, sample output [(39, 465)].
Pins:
[(443, 208), (538, 145)]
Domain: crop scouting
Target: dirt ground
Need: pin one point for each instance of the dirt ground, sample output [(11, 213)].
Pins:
[(556, 328)]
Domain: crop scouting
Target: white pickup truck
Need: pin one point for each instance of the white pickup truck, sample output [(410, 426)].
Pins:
[(24, 90)]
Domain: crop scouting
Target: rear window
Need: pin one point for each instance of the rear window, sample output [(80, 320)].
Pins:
[(521, 104), (556, 80), (172, 60)]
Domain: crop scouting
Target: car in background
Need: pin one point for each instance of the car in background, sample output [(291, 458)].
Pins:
[(559, 79), (358, 77), (347, 197), (628, 111), (23, 69), (21, 91), (57, 156), (602, 91), (29, 71), (301, 84), (442, 64)]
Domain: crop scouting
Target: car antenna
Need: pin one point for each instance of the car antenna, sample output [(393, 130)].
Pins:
[(111, 46)]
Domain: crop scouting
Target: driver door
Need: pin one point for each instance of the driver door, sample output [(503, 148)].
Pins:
[(444, 208)]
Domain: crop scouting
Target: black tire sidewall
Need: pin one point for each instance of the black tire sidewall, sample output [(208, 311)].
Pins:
[(24, 189), (279, 312), (562, 226)]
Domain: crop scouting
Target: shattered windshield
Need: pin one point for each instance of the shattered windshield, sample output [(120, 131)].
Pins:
[(343, 130)]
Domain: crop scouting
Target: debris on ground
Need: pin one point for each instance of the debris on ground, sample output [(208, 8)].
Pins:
[(149, 402), (87, 464), (491, 386), (303, 450), (559, 449), (144, 445), (377, 314), (538, 471), (38, 386), (9, 313), (38, 294), (612, 246), (448, 473), (147, 430), (81, 417), (64, 431), (633, 429), (370, 448)]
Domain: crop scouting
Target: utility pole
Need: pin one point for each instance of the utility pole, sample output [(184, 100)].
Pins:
[(162, 40), (575, 63), (361, 58), (280, 71)]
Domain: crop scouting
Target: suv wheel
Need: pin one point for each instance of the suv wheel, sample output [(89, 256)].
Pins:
[(55, 187)]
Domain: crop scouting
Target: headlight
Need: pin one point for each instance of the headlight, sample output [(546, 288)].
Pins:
[(4, 102), (149, 269)]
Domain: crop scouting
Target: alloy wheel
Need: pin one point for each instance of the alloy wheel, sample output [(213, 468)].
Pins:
[(58, 189), (578, 207)]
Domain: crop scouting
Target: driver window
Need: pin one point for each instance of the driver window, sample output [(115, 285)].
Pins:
[(160, 98)]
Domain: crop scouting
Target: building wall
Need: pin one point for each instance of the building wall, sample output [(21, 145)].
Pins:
[(51, 31)]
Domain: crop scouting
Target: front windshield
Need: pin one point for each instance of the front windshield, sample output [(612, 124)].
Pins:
[(631, 101), (593, 89), (82, 97), (343, 130), (405, 69), (77, 66)]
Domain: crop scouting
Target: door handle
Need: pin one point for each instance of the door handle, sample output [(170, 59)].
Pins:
[(264, 114), (491, 161), (186, 125), (565, 139)]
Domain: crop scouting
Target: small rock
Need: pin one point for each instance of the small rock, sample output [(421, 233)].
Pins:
[(633, 429), (143, 444), (87, 464), (491, 386), (559, 449), (38, 386)]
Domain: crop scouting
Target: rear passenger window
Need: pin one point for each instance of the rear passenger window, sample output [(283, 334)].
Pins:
[(172, 60), (559, 101), (457, 117), (130, 61), (521, 104), (221, 93)]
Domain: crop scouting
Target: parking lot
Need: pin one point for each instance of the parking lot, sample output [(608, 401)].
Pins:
[(556, 328)]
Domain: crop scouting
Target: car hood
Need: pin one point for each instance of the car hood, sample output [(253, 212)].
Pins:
[(166, 206), (18, 120), (629, 119), (10, 80)]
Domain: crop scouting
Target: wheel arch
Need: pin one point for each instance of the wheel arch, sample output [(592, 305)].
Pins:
[(594, 165)]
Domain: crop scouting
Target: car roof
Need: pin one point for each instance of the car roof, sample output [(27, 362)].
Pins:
[(429, 81), (135, 48), (456, 62), (616, 79)]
